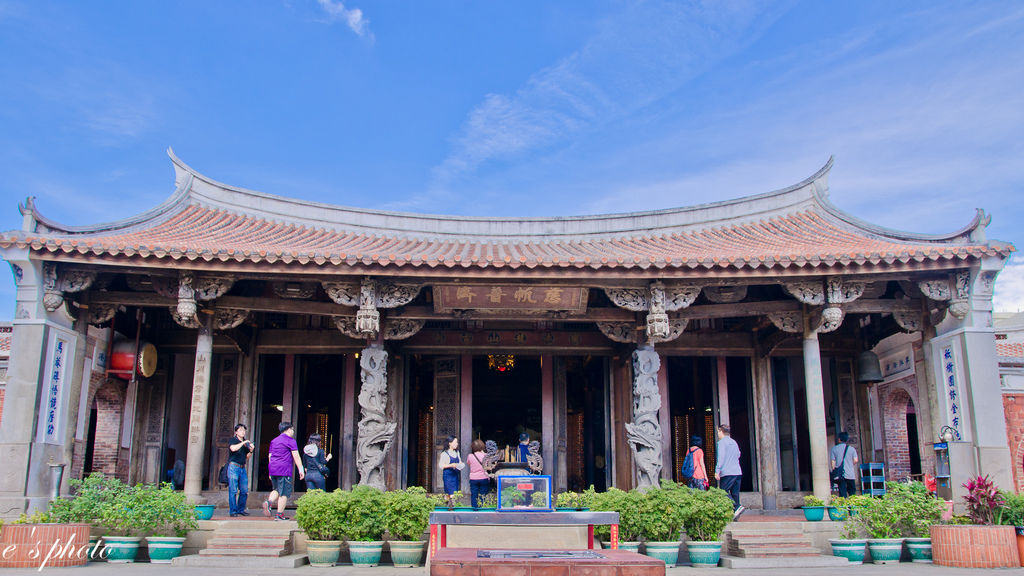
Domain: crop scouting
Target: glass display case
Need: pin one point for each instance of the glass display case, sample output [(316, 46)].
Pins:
[(524, 493)]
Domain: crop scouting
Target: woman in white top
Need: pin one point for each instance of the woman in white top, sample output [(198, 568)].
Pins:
[(450, 465)]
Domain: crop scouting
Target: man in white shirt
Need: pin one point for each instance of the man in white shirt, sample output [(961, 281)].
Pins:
[(727, 468)]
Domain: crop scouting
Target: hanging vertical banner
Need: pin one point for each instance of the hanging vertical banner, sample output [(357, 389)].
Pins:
[(952, 390), (59, 362)]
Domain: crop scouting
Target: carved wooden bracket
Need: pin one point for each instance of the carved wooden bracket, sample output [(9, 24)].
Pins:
[(228, 318), (57, 283), (787, 321), (99, 314), (185, 321), (629, 333), (394, 329), (956, 289), (370, 295), (909, 321), (831, 293), (725, 294), (186, 309), (811, 293), (212, 287), (294, 290), (657, 300)]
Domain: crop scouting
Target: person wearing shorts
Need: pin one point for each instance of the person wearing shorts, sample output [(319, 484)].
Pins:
[(284, 453)]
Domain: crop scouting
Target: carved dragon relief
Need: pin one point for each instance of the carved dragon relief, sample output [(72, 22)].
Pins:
[(657, 300), (394, 329), (810, 293), (376, 433), (644, 433), (228, 318), (787, 321), (632, 299), (370, 295), (628, 333), (831, 293), (725, 294)]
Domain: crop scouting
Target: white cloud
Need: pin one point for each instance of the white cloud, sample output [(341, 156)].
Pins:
[(637, 57), (1009, 288), (352, 17)]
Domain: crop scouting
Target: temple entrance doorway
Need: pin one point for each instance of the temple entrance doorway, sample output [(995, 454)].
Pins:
[(586, 433), (318, 410), (506, 399)]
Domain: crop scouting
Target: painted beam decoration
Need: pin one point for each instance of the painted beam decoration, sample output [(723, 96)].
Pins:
[(502, 297)]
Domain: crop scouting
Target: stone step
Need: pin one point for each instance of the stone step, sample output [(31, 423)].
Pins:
[(243, 563), (769, 539), (769, 553), (248, 551), (817, 561), (271, 542)]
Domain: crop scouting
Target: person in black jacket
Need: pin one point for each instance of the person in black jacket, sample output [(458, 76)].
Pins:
[(315, 462)]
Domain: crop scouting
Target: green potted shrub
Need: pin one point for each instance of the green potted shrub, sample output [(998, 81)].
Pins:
[(1012, 514), (627, 504), (574, 500), (321, 516), (814, 508), (364, 525), (168, 516), (920, 510), (90, 496), (704, 520), (406, 516), (838, 508), (124, 522), (539, 500), (661, 517), (879, 519), (488, 501)]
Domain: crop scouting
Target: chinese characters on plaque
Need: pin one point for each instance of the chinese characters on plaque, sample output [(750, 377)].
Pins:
[(949, 376), (495, 297), (60, 356)]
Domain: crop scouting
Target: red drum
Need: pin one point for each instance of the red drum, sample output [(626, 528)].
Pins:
[(121, 359)]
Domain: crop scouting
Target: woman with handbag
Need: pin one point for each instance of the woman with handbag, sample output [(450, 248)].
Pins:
[(315, 462), (451, 466), (479, 481)]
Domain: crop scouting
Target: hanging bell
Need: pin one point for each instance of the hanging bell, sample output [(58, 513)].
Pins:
[(869, 369)]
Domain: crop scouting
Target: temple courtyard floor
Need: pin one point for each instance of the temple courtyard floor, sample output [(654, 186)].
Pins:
[(103, 569)]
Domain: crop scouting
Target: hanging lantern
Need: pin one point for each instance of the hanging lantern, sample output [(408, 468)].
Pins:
[(869, 369), (501, 362)]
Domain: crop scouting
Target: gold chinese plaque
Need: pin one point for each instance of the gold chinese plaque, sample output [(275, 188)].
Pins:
[(503, 297)]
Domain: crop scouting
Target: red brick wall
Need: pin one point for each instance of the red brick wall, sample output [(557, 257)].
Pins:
[(1013, 408), (96, 380), (897, 443), (109, 411)]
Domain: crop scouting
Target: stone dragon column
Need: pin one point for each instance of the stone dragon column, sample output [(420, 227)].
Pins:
[(375, 433)]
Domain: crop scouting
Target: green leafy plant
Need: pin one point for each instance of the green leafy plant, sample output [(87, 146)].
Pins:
[(512, 496), (662, 511), (811, 501), (37, 517), (1012, 512), (489, 500), (406, 513), (163, 511), (707, 515), (363, 519), (321, 515), (122, 516), (574, 500), (91, 495), (849, 531), (906, 509), (538, 500)]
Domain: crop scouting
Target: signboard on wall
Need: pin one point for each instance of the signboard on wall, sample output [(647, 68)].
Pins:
[(504, 297), (951, 389), (60, 358)]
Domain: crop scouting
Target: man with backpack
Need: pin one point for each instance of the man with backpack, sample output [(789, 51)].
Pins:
[(844, 465), (693, 472)]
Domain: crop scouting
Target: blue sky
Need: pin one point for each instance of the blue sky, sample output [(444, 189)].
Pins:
[(518, 108)]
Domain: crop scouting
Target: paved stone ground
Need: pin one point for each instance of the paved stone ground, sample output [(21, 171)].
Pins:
[(103, 569)]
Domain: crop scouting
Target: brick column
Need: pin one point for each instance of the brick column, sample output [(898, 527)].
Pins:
[(200, 410)]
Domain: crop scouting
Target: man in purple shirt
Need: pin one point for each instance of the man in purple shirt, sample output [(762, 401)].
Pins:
[(283, 453)]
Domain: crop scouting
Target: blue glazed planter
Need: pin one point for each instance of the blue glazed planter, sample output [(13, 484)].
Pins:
[(886, 550), (703, 554), (406, 554), (837, 514), (920, 550), (667, 552), (814, 513), (852, 550), (163, 549), (365, 553), (204, 511), (121, 549)]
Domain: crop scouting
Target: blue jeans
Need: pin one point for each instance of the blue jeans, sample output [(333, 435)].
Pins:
[(478, 488), (731, 484), (315, 481), (238, 488)]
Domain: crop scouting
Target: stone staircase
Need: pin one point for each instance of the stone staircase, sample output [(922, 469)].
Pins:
[(773, 544), (248, 543)]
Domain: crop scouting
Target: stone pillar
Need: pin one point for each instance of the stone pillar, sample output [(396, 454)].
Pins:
[(664, 419), (348, 424), (766, 434), (375, 432), (723, 390), (196, 452), (465, 435), (644, 432), (547, 413), (816, 431)]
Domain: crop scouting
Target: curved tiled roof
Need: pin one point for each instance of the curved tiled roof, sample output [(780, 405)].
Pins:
[(206, 220)]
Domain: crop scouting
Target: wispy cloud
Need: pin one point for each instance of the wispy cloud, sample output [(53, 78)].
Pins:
[(643, 53), (352, 17), (1009, 289)]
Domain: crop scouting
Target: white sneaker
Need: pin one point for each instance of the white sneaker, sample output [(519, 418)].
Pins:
[(736, 514)]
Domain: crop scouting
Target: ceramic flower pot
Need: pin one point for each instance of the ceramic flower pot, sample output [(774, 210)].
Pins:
[(704, 554), (814, 513), (323, 553), (838, 514), (365, 553), (406, 554), (121, 549), (885, 550), (163, 549), (920, 549), (204, 511), (665, 551), (630, 546), (852, 550)]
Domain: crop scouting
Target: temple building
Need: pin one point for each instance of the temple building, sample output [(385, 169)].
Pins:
[(611, 340)]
